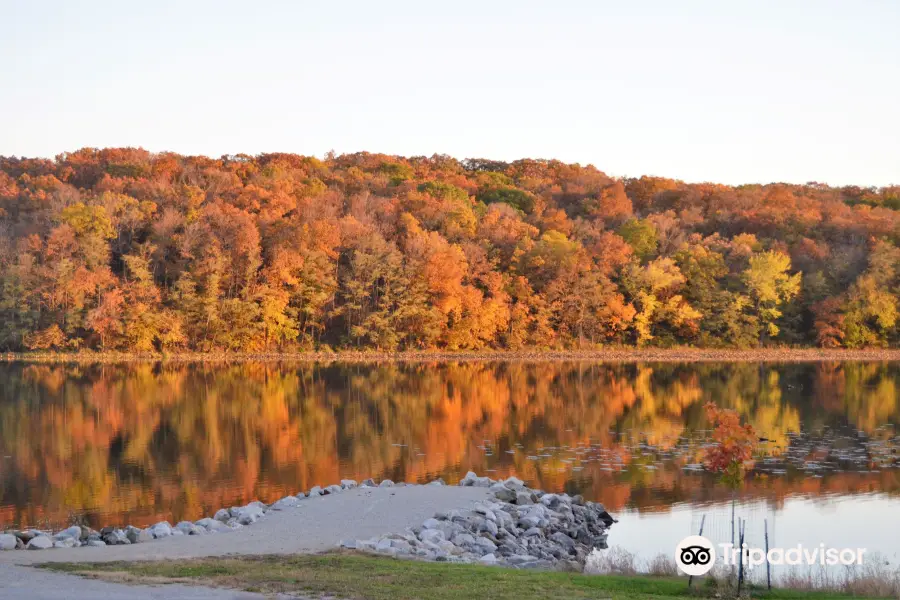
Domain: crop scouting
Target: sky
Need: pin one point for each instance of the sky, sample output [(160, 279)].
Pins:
[(731, 92)]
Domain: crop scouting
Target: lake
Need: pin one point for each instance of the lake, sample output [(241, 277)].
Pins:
[(143, 442)]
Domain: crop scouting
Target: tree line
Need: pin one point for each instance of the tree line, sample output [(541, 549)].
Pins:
[(123, 249)]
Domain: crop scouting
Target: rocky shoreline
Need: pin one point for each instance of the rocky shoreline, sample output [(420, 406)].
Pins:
[(514, 525)]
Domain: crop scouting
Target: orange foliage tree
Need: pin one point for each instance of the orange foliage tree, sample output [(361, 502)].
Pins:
[(735, 444)]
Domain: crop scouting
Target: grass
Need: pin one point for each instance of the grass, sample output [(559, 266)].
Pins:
[(617, 354), (349, 575)]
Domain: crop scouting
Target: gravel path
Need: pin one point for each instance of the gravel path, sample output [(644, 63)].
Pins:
[(316, 525)]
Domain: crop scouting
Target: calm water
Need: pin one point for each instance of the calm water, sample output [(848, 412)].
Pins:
[(117, 444)]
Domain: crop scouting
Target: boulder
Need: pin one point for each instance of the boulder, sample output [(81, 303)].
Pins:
[(73, 532), (68, 542), (315, 491), (212, 525), (96, 543), (514, 483), (161, 530), (488, 559), (386, 483), (550, 500), (249, 514), (39, 542), (286, 502), (8, 541), (523, 498), (188, 528), (434, 536), (469, 479), (504, 493), (563, 540), (115, 537), (484, 546), (463, 539), (367, 483), (334, 489), (222, 515), (136, 535), (349, 484), (437, 481)]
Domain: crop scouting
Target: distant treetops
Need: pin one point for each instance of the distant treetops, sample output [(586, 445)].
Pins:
[(122, 249)]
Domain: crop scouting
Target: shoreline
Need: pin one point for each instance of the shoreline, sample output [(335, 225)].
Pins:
[(618, 355), (477, 521)]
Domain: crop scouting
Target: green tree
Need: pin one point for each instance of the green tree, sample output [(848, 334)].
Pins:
[(770, 285)]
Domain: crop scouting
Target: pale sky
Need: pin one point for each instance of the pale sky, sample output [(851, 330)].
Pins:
[(726, 91)]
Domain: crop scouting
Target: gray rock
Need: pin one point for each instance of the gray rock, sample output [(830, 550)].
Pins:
[(96, 543), (505, 494), (73, 532), (367, 483), (484, 546), (286, 502), (188, 528), (489, 527), (161, 530), (529, 521), (26, 536), (249, 514), (222, 515), (514, 483), (315, 491), (136, 536), (39, 542), (469, 479), (67, 542), (563, 540), (437, 481), (8, 541), (550, 500), (334, 489), (383, 545), (300, 496), (431, 524), (386, 483), (463, 539), (524, 498), (434, 536), (350, 544), (212, 525), (233, 524), (532, 532), (349, 484), (115, 537), (488, 559)]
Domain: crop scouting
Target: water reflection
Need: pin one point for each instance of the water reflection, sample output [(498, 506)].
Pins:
[(141, 442)]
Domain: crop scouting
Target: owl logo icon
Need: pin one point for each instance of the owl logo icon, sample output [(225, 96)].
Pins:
[(695, 555)]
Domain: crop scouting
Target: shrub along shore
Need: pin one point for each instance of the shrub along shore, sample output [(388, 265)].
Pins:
[(603, 355)]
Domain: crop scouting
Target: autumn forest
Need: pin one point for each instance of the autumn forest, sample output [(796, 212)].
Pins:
[(123, 249)]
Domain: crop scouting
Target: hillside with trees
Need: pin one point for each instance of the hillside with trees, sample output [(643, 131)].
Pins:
[(123, 249)]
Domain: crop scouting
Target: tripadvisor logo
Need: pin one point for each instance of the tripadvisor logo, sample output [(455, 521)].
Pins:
[(695, 555)]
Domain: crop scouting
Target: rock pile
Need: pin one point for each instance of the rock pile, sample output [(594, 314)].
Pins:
[(518, 526), (522, 528)]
